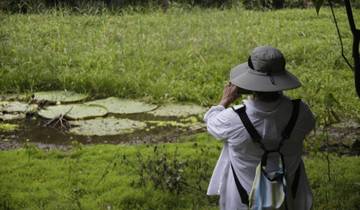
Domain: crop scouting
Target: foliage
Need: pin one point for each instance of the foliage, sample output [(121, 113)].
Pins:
[(174, 176), (99, 177), (163, 173), (115, 6), (174, 56), (172, 172), (7, 127), (344, 180)]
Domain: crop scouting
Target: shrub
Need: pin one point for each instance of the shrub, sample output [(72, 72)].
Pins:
[(94, 6)]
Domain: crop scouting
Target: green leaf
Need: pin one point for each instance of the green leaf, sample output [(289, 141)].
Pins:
[(123, 106), (105, 126), (59, 96), (13, 106), (73, 111), (11, 116)]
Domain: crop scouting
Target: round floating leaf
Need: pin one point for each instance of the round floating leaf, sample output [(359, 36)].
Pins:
[(178, 110), (7, 106), (105, 126), (59, 96), (123, 106), (12, 116), (73, 111), (14, 106)]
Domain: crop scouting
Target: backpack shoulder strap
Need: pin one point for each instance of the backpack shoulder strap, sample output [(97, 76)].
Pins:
[(291, 124), (294, 115), (242, 192), (255, 136)]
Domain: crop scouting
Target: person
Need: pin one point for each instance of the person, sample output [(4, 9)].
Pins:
[(264, 78)]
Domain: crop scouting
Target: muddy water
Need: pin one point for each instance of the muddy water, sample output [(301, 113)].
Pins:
[(34, 130), (344, 138)]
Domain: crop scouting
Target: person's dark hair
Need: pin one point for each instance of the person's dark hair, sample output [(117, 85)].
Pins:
[(267, 96)]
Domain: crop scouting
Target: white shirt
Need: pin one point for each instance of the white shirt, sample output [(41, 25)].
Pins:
[(269, 119)]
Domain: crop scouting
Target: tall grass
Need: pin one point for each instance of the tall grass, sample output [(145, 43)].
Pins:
[(109, 177), (181, 55)]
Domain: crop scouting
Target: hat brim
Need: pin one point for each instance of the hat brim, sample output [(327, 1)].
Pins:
[(247, 79), (236, 71)]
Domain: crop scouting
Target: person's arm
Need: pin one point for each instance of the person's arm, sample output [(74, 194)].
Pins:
[(307, 120), (230, 94), (219, 119)]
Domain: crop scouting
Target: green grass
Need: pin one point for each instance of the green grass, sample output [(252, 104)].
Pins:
[(107, 176), (98, 177), (183, 55)]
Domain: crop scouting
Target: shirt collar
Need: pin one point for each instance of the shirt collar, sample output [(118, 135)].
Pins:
[(261, 108)]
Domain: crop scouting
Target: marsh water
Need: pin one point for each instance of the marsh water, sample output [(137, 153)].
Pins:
[(169, 123), (33, 129)]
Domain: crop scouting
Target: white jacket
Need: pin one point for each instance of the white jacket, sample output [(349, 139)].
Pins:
[(269, 119)]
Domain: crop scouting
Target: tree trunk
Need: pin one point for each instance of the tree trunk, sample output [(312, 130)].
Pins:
[(355, 48), (164, 5), (278, 4)]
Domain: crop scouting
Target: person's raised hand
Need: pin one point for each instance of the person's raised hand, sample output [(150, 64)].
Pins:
[(230, 94)]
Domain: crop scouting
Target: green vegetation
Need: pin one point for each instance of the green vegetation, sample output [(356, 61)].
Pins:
[(100, 6), (105, 126), (59, 96), (178, 56), (73, 111), (6, 127), (166, 176), (123, 106), (106, 176), (182, 55)]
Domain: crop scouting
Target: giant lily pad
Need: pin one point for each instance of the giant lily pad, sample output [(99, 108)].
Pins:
[(178, 110), (59, 96), (105, 126), (123, 106), (73, 111), (12, 116), (13, 106)]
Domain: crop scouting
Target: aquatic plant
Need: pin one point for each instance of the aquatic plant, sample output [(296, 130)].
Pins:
[(73, 111), (59, 96), (123, 106), (105, 126), (8, 127)]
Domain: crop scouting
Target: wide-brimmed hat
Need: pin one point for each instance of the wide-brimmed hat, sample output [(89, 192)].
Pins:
[(264, 72)]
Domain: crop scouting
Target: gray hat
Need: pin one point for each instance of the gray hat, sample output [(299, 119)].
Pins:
[(264, 72)]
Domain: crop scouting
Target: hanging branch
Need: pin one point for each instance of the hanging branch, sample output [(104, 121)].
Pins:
[(355, 48), (339, 35)]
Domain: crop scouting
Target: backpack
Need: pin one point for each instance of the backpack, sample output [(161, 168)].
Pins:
[(269, 189)]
